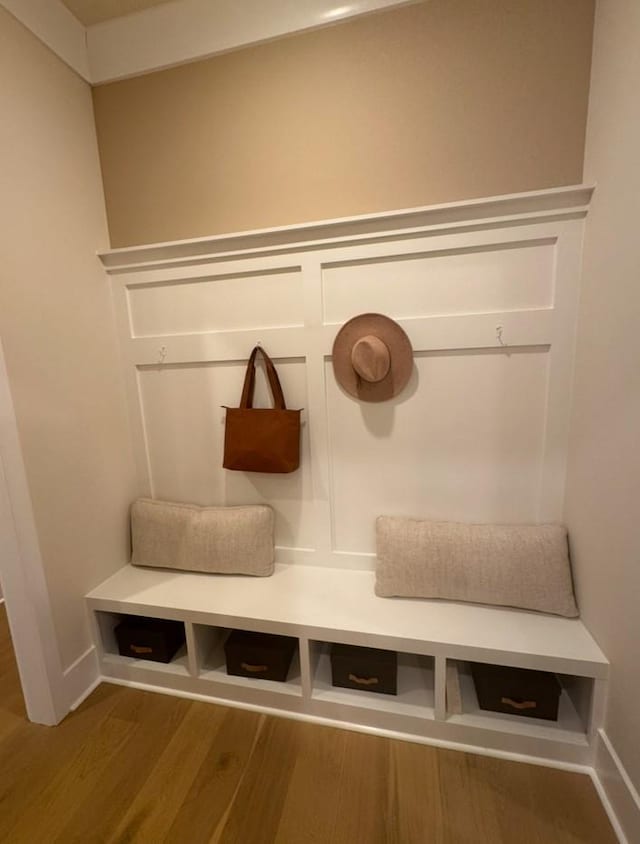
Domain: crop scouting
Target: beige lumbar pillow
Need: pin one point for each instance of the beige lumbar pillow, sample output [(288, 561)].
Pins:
[(524, 566), (223, 540)]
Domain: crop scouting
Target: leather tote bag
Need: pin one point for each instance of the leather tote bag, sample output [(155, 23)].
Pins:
[(262, 439)]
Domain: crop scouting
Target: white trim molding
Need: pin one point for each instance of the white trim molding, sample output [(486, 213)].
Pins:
[(81, 678), (50, 691), (55, 26), (569, 202), (183, 31), (354, 726), (23, 579), (197, 29), (619, 796)]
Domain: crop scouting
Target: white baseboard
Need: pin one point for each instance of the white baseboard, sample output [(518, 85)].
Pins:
[(431, 741), (81, 678), (617, 793)]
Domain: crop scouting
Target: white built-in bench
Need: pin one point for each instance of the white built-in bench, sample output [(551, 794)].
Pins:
[(322, 605), (487, 292)]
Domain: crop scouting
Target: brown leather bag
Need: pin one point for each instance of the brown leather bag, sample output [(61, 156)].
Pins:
[(262, 439)]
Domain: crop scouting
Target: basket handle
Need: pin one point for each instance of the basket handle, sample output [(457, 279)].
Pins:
[(364, 681), (522, 704), (254, 669)]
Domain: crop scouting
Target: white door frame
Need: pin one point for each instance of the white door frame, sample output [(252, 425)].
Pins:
[(23, 579)]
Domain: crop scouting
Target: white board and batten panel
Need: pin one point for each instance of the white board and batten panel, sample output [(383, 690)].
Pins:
[(478, 435), (516, 276), (221, 302), (467, 445)]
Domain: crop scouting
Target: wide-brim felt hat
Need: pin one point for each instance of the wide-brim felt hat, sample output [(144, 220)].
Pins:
[(372, 357)]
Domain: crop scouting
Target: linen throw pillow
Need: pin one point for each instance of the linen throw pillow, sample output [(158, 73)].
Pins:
[(525, 566), (223, 540)]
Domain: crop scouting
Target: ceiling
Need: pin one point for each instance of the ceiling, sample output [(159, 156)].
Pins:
[(89, 12)]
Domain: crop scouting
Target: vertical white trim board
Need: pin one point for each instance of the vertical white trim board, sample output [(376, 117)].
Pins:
[(49, 690), (23, 579)]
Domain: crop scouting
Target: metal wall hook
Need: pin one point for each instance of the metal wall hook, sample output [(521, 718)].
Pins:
[(499, 335), (162, 353)]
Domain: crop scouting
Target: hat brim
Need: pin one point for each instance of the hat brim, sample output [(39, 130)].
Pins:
[(400, 352)]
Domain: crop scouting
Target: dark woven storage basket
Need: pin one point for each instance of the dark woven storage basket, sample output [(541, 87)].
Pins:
[(262, 656), (370, 669), (157, 639), (517, 691)]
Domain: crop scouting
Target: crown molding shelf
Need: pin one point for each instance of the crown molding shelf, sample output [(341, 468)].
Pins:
[(510, 209)]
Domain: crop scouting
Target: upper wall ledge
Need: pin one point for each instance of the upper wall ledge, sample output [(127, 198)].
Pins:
[(511, 209)]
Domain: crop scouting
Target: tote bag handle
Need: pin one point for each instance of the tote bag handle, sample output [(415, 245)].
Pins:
[(250, 380), (261, 439)]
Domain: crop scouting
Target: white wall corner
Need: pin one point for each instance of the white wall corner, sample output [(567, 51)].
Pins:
[(619, 796), (55, 26)]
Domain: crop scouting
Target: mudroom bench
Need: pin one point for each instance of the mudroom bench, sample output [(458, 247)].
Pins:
[(319, 606)]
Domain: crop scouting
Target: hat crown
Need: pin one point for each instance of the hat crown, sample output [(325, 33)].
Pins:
[(370, 358)]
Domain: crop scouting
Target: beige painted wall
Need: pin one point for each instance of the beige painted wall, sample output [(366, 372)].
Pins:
[(603, 493), (442, 100), (57, 329)]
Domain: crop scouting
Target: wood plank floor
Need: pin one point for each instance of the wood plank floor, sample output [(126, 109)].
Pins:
[(133, 766)]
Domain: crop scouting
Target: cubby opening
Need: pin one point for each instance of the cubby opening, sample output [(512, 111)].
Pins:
[(415, 686), (573, 711), (212, 665), (107, 623)]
